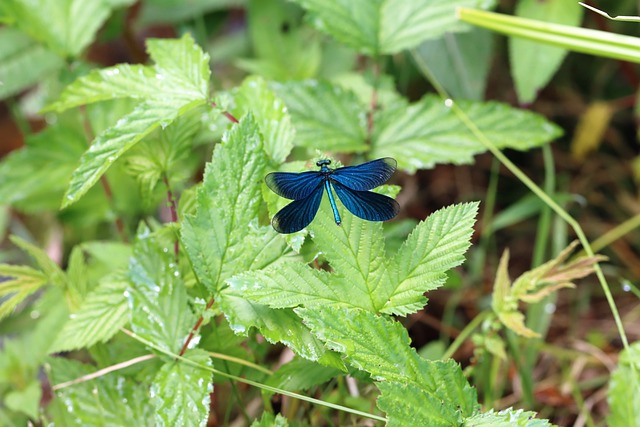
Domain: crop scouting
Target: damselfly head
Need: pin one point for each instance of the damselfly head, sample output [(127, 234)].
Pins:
[(324, 162)]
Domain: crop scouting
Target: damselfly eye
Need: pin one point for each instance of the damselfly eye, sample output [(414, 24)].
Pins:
[(323, 162)]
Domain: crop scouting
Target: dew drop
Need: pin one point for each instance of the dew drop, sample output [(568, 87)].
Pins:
[(550, 308), (448, 102)]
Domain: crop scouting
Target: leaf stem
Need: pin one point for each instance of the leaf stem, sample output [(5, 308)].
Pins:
[(195, 328), (173, 208), (373, 104), (465, 333), (227, 114)]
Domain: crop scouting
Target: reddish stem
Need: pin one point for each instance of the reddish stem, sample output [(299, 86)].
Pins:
[(103, 179), (227, 114), (173, 208), (195, 328)]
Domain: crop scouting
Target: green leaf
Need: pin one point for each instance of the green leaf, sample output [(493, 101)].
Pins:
[(506, 418), (407, 404), (301, 374), (280, 325), (23, 63), (533, 64), (459, 62), (175, 85), (269, 420), (66, 26), (100, 317), (21, 282), (157, 296), (54, 273), (326, 117), (180, 392), (362, 278), (114, 142), (38, 173), (164, 154), (386, 26), (434, 247), (381, 347), (271, 115), (624, 389), (227, 203), (428, 132), (108, 400), (284, 50), (26, 400)]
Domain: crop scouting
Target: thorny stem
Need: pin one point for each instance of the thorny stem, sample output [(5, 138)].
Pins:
[(103, 179), (195, 328), (173, 208)]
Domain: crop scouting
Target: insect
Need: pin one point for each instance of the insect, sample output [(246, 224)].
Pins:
[(351, 184)]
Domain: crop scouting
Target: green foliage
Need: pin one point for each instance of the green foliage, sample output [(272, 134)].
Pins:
[(328, 117), (506, 418), (23, 62), (65, 26), (363, 277), (213, 275), (180, 392), (174, 86), (533, 64), (385, 26), (624, 389)]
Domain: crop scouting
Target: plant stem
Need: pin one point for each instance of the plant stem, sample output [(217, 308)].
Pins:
[(195, 328), (173, 208), (227, 114), (465, 333)]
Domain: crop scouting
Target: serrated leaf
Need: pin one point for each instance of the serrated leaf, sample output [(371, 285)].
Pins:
[(533, 64), (326, 117), (180, 392), (280, 325), (380, 346), (460, 62), (100, 317), (66, 26), (271, 115), (105, 401), (386, 26), (227, 203), (114, 142), (506, 418), (428, 132), (19, 282), (435, 246), (157, 296), (175, 85), (407, 404), (163, 154), (624, 389), (23, 63), (54, 273)]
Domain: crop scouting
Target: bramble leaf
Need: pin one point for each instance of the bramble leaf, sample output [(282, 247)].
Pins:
[(326, 117), (386, 26), (21, 281), (506, 418), (157, 296), (180, 392), (428, 132)]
